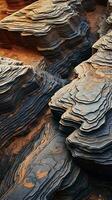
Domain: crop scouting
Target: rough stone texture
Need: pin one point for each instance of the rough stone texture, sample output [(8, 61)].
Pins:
[(55, 31), (23, 94), (95, 146), (87, 99), (20, 142), (86, 105), (44, 167)]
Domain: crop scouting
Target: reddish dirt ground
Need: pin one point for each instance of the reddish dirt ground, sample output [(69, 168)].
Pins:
[(28, 56), (20, 53), (3, 9)]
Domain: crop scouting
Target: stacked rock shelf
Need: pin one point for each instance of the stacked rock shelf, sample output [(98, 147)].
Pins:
[(86, 105), (44, 167), (23, 95), (57, 29)]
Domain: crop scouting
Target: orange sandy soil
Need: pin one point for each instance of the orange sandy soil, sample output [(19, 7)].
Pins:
[(29, 56), (19, 53), (3, 9)]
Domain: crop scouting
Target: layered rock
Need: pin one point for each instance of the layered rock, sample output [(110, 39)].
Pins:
[(23, 94), (94, 149), (87, 99), (86, 105), (43, 168), (58, 30)]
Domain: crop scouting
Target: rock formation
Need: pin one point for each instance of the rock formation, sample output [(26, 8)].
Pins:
[(58, 30), (94, 149), (44, 167), (83, 103), (86, 105), (23, 94)]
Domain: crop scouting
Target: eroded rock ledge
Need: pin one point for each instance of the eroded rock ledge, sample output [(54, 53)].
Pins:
[(57, 29), (44, 167), (86, 105), (23, 94)]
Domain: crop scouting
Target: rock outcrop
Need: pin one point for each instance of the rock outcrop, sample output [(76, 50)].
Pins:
[(86, 99), (23, 95), (57, 29), (86, 105), (43, 168)]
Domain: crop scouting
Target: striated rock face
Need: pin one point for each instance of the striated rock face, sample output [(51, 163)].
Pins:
[(57, 29), (86, 99), (86, 105), (44, 167), (95, 146), (23, 94)]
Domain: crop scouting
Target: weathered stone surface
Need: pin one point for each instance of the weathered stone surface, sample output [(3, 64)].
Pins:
[(86, 105), (95, 146), (23, 94), (57, 29), (44, 167), (87, 99)]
